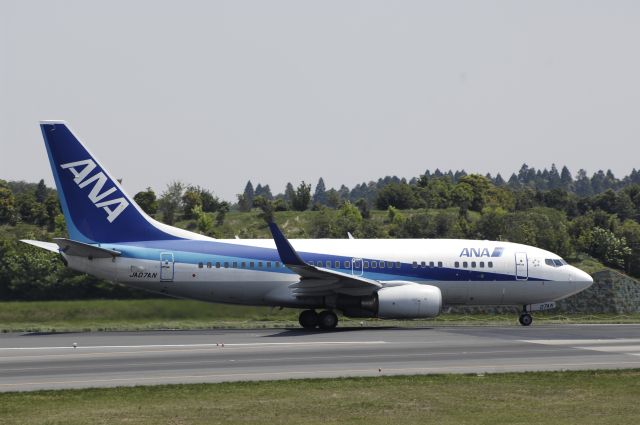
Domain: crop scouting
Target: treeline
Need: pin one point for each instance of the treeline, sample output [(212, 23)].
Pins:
[(598, 216)]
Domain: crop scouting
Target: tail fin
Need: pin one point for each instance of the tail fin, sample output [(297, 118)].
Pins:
[(95, 207)]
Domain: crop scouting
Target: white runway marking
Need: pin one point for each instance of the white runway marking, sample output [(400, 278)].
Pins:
[(582, 341), (627, 346), (249, 344)]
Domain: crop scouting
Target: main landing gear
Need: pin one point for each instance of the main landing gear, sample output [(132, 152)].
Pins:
[(325, 320), (525, 318)]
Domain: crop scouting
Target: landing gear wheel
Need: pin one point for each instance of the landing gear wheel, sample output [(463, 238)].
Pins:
[(525, 319), (327, 320), (308, 319)]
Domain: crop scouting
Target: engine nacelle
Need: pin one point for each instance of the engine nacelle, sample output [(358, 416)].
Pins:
[(409, 301)]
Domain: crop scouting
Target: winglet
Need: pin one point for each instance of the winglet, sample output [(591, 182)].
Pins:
[(288, 255)]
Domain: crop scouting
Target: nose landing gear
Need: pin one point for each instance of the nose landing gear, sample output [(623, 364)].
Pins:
[(326, 320), (525, 318)]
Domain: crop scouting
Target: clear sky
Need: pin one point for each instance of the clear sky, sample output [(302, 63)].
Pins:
[(215, 93)]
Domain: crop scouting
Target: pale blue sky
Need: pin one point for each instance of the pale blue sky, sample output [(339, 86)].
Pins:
[(214, 93)]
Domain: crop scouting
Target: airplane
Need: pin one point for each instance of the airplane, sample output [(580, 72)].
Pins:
[(112, 238)]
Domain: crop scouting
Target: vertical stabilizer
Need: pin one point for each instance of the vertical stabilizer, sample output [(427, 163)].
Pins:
[(95, 207)]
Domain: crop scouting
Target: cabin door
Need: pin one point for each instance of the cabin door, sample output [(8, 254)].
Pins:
[(522, 266), (356, 266), (166, 267)]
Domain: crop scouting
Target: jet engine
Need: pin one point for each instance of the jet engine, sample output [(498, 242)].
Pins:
[(400, 301)]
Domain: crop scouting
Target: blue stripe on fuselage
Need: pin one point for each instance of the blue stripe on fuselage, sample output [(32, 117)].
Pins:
[(194, 252)]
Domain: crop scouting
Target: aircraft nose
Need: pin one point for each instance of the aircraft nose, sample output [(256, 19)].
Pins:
[(582, 279)]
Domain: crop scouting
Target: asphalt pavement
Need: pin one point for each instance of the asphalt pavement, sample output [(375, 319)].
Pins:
[(32, 361)]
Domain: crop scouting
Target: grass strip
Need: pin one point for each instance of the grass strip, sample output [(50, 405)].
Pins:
[(135, 315), (588, 397)]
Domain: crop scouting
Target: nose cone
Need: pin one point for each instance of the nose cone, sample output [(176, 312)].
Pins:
[(581, 279)]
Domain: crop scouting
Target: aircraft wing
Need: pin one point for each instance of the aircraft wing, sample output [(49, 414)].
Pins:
[(318, 281)]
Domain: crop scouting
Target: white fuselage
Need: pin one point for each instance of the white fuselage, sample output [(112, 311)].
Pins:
[(249, 271)]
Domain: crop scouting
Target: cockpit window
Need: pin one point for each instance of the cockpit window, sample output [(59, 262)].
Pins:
[(555, 262)]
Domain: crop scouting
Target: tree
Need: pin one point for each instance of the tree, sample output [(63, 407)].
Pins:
[(171, 201), (479, 187), (289, 193), (630, 231), (245, 201), (147, 201), (223, 209), (462, 196), (52, 207), (8, 213), (363, 206), (348, 219), (398, 195), (566, 180), (203, 219), (606, 246), (320, 195), (545, 228), (300, 201), (41, 191), (266, 208), (210, 203), (191, 200)]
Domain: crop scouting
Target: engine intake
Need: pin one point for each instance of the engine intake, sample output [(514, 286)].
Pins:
[(400, 301), (409, 301)]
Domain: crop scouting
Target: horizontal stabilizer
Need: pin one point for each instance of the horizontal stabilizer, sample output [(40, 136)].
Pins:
[(81, 249), (44, 245)]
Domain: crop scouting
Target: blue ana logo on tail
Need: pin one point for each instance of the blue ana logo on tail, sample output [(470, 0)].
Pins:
[(81, 171)]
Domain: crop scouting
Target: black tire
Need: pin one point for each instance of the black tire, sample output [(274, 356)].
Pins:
[(327, 320), (525, 319), (308, 319)]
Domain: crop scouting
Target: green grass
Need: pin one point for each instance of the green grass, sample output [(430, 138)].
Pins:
[(590, 397), (103, 315)]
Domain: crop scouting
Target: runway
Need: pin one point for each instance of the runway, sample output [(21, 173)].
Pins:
[(106, 359)]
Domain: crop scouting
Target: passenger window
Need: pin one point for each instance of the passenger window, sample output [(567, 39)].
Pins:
[(244, 264), (382, 264), (473, 264), (415, 265), (209, 264), (260, 264), (217, 265), (251, 264), (277, 264), (374, 264), (268, 264), (235, 264), (431, 264), (439, 263), (328, 264), (457, 264), (423, 264), (398, 264), (366, 264), (481, 264), (465, 264), (389, 265), (347, 264), (226, 264), (490, 264)]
